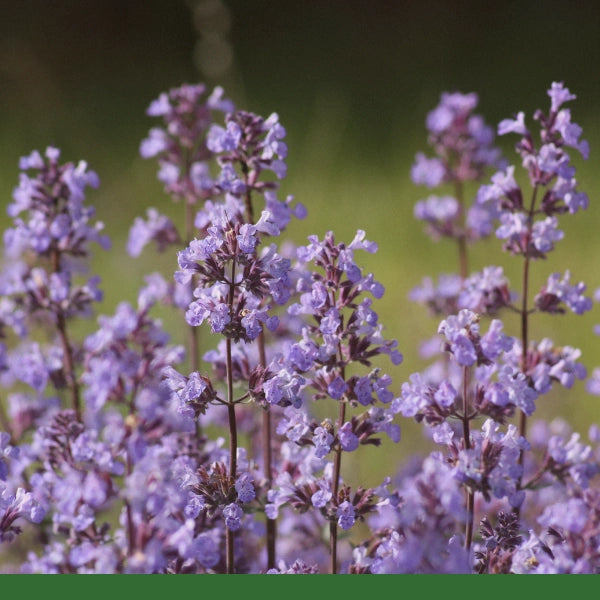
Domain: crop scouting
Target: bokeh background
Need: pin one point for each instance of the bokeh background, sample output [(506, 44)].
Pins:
[(352, 82)]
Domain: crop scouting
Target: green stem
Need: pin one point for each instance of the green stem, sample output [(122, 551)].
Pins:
[(463, 262), (266, 426), (470, 501), (233, 443)]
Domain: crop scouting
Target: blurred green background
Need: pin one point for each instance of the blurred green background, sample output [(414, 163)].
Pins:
[(352, 82)]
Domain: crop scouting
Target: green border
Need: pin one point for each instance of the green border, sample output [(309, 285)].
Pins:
[(329, 587)]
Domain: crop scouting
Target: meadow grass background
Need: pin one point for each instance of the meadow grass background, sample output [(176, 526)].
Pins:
[(352, 82)]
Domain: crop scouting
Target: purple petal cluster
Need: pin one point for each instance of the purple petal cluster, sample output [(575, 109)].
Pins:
[(180, 146), (558, 291), (115, 460), (467, 346), (533, 231), (461, 140)]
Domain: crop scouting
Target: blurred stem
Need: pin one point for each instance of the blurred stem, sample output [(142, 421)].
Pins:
[(467, 437), (130, 524), (267, 462), (229, 541), (337, 467), (463, 261), (232, 452), (525, 312), (525, 328), (266, 427), (69, 364), (193, 334)]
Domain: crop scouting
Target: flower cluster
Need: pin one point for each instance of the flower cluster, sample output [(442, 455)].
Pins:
[(127, 450)]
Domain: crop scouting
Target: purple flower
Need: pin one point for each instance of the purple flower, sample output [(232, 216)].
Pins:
[(322, 439), (321, 497), (337, 388), (220, 139), (559, 290), (348, 439), (545, 233), (157, 227), (246, 238), (233, 516), (494, 342), (571, 516), (441, 299), (244, 486), (346, 515), (592, 385), (461, 140), (559, 94), (459, 330), (516, 125), (427, 171), (485, 292), (7, 451), (181, 146)]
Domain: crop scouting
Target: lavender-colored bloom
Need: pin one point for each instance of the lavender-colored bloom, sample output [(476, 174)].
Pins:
[(545, 233), (346, 515), (564, 190), (592, 385), (559, 290), (13, 506), (514, 227), (571, 516), (246, 238), (441, 299), (321, 497), (516, 125), (460, 330), (337, 388), (382, 420), (117, 327), (436, 209), (223, 139), (157, 227), (556, 364), (575, 457), (498, 477), (360, 242), (427, 171), (571, 132), (518, 389), (485, 292), (7, 451), (417, 394), (294, 424), (181, 146), (503, 185), (322, 439), (348, 439), (363, 390), (284, 388), (244, 487), (445, 395), (461, 140), (494, 342), (253, 319), (28, 364), (451, 105), (559, 94), (443, 434), (441, 213)]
